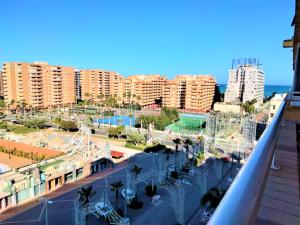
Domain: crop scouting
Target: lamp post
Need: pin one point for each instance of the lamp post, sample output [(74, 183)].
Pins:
[(153, 163), (47, 202)]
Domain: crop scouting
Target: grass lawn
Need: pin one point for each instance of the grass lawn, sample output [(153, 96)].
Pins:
[(21, 129), (136, 147)]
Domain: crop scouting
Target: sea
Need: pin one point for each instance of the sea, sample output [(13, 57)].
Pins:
[(269, 89)]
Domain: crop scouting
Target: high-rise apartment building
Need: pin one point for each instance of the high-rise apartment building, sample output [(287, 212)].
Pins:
[(97, 84), (38, 84), (246, 83), (1, 84), (144, 89), (191, 92), (78, 84)]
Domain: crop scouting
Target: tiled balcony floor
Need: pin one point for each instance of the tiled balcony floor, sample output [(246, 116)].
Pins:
[(280, 204)]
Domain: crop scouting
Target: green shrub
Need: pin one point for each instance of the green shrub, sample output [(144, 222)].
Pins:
[(116, 132), (68, 125), (155, 148), (133, 146), (3, 125), (166, 117), (136, 138), (108, 113), (35, 123), (23, 130)]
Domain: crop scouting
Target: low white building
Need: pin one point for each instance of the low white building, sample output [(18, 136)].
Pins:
[(227, 107), (274, 105)]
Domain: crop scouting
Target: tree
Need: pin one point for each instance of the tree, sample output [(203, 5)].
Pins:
[(115, 187), (217, 95), (57, 121), (89, 122), (22, 106), (2, 105), (35, 123), (110, 102), (130, 118), (248, 106), (136, 138), (85, 194), (136, 170), (177, 142), (116, 132), (138, 98), (68, 125), (212, 198), (187, 142)]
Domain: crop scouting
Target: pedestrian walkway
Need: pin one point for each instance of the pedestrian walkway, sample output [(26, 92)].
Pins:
[(64, 189)]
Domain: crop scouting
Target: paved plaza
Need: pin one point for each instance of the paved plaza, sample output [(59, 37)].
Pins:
[(61, 211)]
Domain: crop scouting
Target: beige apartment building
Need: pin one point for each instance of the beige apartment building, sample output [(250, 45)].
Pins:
[(38, 84), (97, 84), (1, 84), (143, 89), (191, 92)]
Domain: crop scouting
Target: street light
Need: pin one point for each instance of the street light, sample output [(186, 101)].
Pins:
[(152, 184), (46, 206)]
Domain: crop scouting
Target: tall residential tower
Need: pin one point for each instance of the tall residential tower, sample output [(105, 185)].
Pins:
[(246, 83)]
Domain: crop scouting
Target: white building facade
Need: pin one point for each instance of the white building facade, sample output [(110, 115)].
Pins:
[(245, 83)]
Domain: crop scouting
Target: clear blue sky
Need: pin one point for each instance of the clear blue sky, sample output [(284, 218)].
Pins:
[(166, 37)]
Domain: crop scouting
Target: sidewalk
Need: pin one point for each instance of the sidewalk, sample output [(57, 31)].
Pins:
[(60, 191)]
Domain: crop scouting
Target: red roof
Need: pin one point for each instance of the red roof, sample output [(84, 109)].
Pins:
[(28, 148), (116, 154)]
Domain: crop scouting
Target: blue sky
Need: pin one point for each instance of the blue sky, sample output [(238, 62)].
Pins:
[(166, 37)]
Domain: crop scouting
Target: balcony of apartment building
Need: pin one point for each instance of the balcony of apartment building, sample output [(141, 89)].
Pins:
[(266, 189)]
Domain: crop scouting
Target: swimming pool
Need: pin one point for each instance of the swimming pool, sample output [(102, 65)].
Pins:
[(117, 120), (3, 168)]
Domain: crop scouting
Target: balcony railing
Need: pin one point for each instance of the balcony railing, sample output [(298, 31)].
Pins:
[(242, 200), (294, 98)]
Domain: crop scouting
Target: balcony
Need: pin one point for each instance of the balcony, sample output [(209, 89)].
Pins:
[(266, 190)]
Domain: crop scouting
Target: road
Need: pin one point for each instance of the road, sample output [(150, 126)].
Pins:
[(61, 212)]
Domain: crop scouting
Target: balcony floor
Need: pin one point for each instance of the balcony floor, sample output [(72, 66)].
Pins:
[(280, 204)]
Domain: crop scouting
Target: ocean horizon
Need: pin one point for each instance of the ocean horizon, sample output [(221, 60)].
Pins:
[(269, 89)]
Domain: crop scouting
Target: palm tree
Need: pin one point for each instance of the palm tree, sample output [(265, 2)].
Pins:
[(130, 117), (2, 105), (116, 186), (187, 142), (177, 141), (167, 151), (85, 194), (138, 98), (22, 104), (212, 198), (119, 121), (99, 97), (136, 170)]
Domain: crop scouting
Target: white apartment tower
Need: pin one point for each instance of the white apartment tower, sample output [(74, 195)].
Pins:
[(246, 82)]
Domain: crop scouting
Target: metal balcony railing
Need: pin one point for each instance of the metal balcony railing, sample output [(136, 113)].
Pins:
[(294, 98), (242, 200)]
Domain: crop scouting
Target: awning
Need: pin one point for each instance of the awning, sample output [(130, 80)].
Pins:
[(116, 154)]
